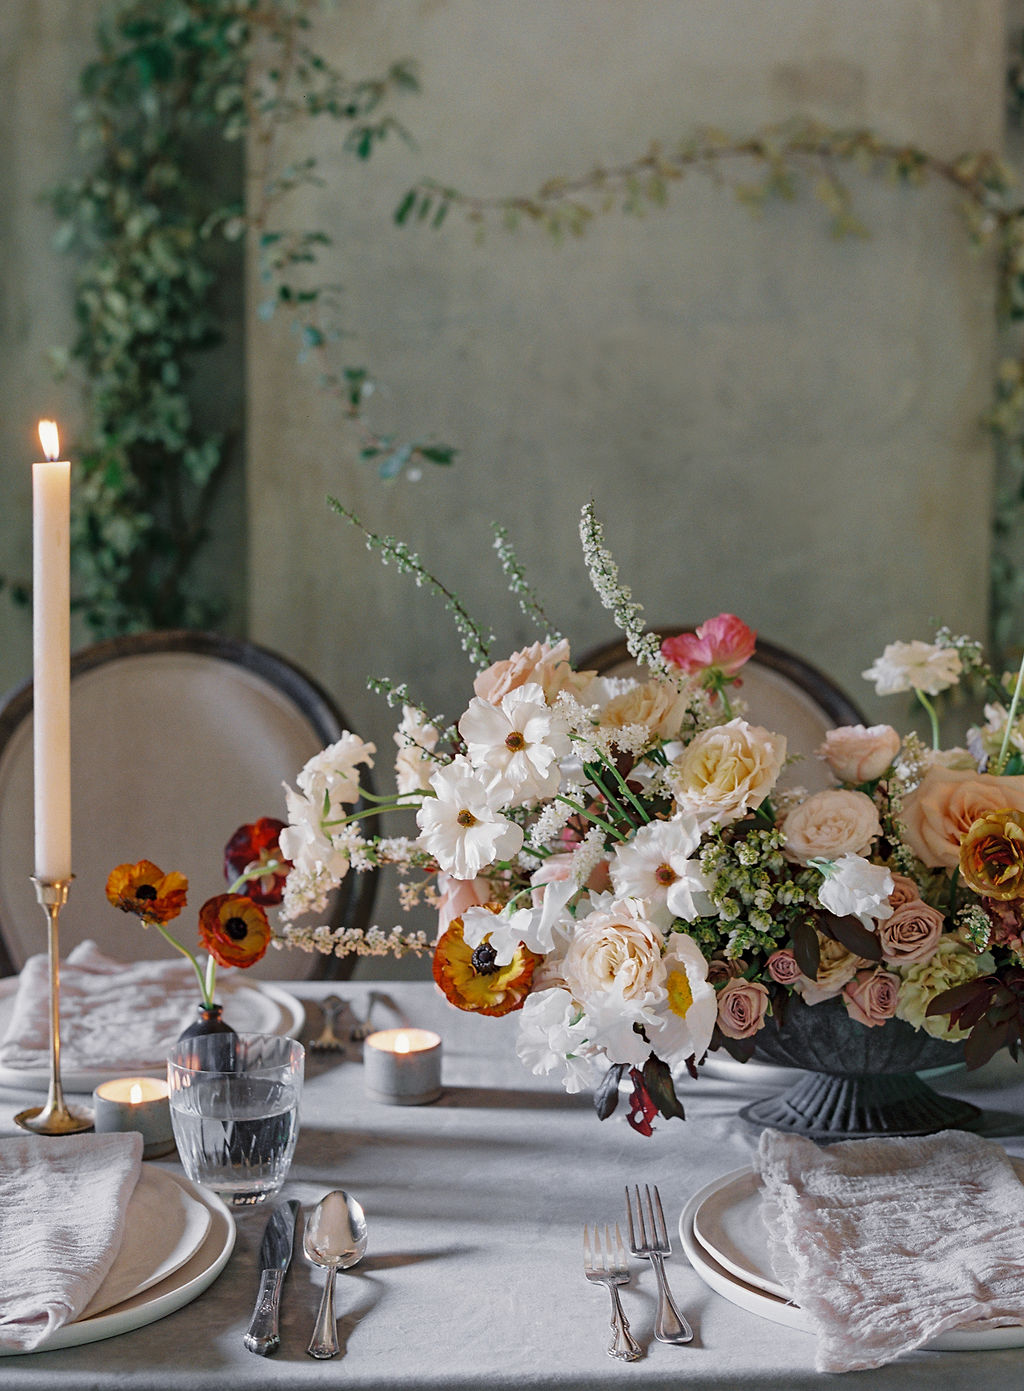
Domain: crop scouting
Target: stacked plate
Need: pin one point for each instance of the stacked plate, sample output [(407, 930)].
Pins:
[(723, 1233)]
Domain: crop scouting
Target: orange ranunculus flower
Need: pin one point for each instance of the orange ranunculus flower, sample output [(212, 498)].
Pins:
[(233, 929), (146, 891), (992, 855), (472, 981)]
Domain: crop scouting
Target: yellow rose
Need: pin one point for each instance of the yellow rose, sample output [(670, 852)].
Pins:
[(946, 803), (950, 964), (727, 771)]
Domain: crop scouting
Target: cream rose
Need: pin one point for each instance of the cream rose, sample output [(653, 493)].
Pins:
[(912, 932), (871, 996), (658, 705), (742, 1006), (951, 963), (727, 771), (856, 754), (836, 966), (830, 824), (940, 810), (549, 666), (615, 951)]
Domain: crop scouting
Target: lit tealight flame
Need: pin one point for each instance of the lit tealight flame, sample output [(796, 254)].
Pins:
[(135, 1094), (402, 1043), (49, 438)]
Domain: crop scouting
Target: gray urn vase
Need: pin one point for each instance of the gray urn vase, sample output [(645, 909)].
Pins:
[(855, 1081)]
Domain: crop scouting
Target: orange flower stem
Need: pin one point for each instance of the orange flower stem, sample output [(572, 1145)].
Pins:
[(1010, 718), (207, 995)]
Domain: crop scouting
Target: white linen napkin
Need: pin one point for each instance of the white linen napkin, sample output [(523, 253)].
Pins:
[(114, 1015), (62, 1206), (887, 1242)]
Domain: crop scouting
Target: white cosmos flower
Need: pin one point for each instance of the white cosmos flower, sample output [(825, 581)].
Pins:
[(656, 866), (460, 827), (517, 743), (553, 1035), (332, 774), (687, 1020), (914, 666), (854, 886)]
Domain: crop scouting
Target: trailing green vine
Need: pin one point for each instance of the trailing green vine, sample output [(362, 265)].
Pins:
[(780, 162), (156, 228)]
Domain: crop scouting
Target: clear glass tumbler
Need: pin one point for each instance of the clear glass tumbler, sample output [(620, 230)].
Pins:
[(235, 1111)]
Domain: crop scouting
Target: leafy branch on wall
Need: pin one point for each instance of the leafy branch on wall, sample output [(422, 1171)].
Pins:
[(779, 162)]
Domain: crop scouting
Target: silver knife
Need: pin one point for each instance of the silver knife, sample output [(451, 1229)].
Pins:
[(275, 1256)]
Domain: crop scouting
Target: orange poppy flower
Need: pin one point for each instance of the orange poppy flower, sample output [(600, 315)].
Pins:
[(471, 980), (251, 847), (233, 929), (146, 891)]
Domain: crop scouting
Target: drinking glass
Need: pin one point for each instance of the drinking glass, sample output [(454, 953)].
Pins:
[(235, 1111)]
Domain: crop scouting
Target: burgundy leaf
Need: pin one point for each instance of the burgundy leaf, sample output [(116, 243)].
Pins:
[(657, 1077), (606, 1097), (855, 937), (806, 948), (642, 1108)]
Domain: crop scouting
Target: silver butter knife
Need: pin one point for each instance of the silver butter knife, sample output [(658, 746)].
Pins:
[(275, 1256)]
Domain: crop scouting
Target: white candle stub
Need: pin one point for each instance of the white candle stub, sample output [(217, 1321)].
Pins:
[(51, 657), (402, 1067), (136, 1103)]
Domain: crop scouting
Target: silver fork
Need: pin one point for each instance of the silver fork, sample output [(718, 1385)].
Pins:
[(609, 1268), (669, 1325)]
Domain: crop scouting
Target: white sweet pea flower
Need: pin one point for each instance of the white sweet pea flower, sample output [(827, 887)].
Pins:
[(332, 775), (553, 1035), (656, 866), (854, 886), (306, 843), (517, 743), (414, 765), (459, 825), (914, 666)]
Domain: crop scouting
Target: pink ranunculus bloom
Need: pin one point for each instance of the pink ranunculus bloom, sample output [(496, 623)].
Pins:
[(722, 644)]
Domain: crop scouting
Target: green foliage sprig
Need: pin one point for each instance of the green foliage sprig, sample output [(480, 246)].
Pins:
[(156, 221)]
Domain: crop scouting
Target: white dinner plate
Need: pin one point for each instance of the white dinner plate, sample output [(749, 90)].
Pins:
[(164, 1227), (250, 1006), (739, 1268), (157, 1301)]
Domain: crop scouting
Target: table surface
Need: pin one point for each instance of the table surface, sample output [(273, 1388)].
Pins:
[(475, 1204)]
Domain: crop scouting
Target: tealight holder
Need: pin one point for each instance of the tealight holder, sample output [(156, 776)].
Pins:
[(402, 1067), (136, 1103)]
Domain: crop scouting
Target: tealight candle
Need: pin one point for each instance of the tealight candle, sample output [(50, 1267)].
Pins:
[(136, 1103), (402, 1067)]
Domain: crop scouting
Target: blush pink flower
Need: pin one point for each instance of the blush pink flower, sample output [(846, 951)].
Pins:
[(722, 645), (783, 968), (742, 1007), (871, 996)]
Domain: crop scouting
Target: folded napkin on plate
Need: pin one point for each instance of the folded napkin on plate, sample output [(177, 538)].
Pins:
[(113, 1014), (886, 1243), (62, 1206)]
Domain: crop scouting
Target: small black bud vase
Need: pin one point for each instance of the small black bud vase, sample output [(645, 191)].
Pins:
[(208, 1021)]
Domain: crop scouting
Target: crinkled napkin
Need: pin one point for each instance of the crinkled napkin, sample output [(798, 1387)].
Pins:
[(886, 1243), (113, 1014), (62, 1207)]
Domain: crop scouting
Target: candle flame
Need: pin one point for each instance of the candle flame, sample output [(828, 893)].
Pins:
[(49, 438), (402, 1043), (135, 1094)]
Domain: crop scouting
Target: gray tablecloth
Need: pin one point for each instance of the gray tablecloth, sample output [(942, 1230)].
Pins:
[(473, 1277)]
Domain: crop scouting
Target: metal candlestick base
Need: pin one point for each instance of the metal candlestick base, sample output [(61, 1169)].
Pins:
[(54, 1117)]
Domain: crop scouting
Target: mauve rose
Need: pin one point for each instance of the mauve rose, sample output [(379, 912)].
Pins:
[(830, 824), (912, 933), (742, 1005), (856, 754), (783, 968), (871, 997), (724, 644), (945, 804), (720, 970), (904, 890)]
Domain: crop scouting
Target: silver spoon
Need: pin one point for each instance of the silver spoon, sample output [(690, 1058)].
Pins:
[(335, 1237)]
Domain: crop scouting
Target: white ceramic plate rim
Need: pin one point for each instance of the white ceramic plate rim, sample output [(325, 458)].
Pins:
[(21, 1079), (778, 1310), (179, 1289)]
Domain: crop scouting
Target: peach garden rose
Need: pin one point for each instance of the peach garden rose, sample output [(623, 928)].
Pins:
[(941, 810), (832, 823), (857, 754)]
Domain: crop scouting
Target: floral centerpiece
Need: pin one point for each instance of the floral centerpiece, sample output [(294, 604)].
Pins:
[(617, 861)]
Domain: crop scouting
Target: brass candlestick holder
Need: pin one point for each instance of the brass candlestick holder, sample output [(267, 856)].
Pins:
[(54, 1117)]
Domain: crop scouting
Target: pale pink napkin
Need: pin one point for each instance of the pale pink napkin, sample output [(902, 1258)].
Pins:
[(62, 1206), (886, 1243)]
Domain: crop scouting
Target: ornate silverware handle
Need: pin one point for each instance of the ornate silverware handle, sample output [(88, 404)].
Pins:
[(669, 1325), (262, 1335), (324, 1342), (623, 1345)]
